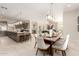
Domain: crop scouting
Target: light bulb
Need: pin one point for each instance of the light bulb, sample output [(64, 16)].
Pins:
[(49, 17)]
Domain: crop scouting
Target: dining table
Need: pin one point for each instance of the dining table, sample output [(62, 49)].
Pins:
[(51, 41)]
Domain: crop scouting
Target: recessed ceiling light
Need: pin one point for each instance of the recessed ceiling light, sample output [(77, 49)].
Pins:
[(68, 5)]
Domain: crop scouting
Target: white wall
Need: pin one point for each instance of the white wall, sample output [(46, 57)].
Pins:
[(58, 14), (70, 24)]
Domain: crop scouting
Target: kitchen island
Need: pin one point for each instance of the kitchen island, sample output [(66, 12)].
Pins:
[(18, 36)]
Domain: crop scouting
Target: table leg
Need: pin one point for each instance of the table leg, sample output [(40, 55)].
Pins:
[(51, 49)]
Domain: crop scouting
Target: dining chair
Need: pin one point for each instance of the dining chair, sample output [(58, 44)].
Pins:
[(41, 45), (35, 37), (61, 46)]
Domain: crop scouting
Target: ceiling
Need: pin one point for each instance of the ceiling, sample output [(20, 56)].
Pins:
[(71, 7), (33, 11)]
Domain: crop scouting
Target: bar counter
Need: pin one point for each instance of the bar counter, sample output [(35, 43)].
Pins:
[(18, 36)]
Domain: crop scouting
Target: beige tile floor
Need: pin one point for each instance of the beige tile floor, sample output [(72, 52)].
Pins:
[(8, 47)]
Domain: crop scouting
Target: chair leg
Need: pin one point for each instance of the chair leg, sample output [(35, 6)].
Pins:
[(35, 44), (36, 51), (44, 53), (56, 50), (63, 53)]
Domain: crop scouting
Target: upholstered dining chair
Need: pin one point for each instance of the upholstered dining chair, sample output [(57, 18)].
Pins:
[(61, 46), (35, 37), (41, 45)]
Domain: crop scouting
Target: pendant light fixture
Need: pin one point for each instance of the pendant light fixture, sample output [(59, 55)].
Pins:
[(50, 15), (3, 12)]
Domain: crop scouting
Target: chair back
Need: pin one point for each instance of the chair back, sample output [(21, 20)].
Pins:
[(66, 42), (40, 42), (35, 35)]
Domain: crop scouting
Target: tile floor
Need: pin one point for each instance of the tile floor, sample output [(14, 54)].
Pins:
[(8, 47)]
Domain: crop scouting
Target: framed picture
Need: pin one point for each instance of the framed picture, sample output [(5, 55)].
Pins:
[(78, 27), (78, 20)]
